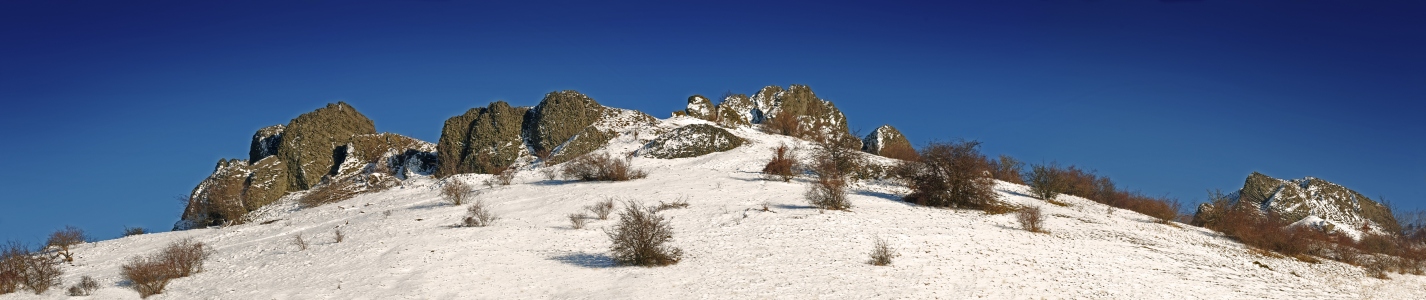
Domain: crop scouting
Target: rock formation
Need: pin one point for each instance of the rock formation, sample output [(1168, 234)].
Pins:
[(309, 140), (889, 142), (691, 141), (483, 140), (1298, 199)]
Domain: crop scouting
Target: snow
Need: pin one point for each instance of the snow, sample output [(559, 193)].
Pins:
[(402, 243)]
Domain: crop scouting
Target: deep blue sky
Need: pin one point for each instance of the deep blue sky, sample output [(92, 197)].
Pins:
[(112, 108)]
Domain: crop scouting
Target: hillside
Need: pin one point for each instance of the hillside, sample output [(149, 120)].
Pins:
[(402, 243)]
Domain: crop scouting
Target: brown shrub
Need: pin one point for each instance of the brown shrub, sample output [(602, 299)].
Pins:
[(602, 209), (300, 242), (950, 175), (22, 268), (455, 191), (148, 276), (503, 176), (837, 157), (1046, 181), (185, 257), (479, 215), (1006, 169), (132, 231), (676, 204), (881, 253), (828, 193), (87, 285), (601, 167), (781, 164), (901, 152), (1031, 219), (577, 221), (65, 238), (641, 238), (11, 266)]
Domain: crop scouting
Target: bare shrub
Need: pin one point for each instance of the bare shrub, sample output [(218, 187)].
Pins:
[(837, 157), (338, 236), (330, 192), (1045, 181), (881, 253), (549, 172), (601, 167), (148, 276), (132, 231), (828, 193), (65, 238), (901, 152), (455, 191), (780, 166), (783, 123), (577, 221), (1031, 219), (86, 286), (479, 215), (950, 175), (11, 266), (602, 209), (298, 241), (22, 268), (185, 257), (1006, 169), (641, 238), (681, 202), (504, 176)]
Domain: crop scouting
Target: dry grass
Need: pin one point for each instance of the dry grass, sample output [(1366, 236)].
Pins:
[(676, 204), (601, 167), (881, 253), (641, 238)]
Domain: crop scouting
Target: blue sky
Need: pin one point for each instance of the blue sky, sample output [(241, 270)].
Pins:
[(111, 109)]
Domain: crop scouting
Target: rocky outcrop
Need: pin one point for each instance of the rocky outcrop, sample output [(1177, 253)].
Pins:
[(218, 199), (265, 142), (309, 142), (700, 107), (266, 182), (559, 117), (1310, 198), (889, 142), (483, 140), (814, 118), (691, 141)]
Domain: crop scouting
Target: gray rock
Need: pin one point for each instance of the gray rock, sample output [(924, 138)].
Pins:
[(265, 142), (700, 107), (559, 117), (691, 141), (310, 141), (483, 140), (889, 142)]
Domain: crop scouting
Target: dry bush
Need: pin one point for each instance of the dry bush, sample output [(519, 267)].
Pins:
[(602, 209), (132, 231), (337, 235), (881, 253), (780, 166), (479, 215), (1031, 219), (601, 167), (549, 172), (1045, 181), (676, 204), (1006, 169), (22, 268), (901, 152), (828, 193), (503, 176), (783, 123), (950, 175), (837, 157), (65, 238), (331, 192), (185, 257), (87, 285), (148, 276), (455, 191), (11, 266), (577, 221), (641, 238), (298, 241)]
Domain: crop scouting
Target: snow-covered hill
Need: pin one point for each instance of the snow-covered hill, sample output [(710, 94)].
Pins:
[(402, 243)]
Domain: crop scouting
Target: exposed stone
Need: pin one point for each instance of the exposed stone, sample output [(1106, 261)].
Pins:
[(218, 198), (309, 142), (559, 117), (587, 140), (691, 141), (483, 140), (1295, 200), (265, 142), (265, 184), (700, 107), (889, 142), (736, 110)]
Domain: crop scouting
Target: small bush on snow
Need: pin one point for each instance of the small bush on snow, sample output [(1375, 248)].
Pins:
[(455, 191), (149, 276), (641, 237), (86, 286), (602, 209), (479, 215), (950, 175), (881, 253), (1031, 219), (601, 167), (780, 167)]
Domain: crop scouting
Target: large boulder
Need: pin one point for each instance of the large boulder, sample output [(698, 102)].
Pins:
[(559, 117), (217, 199), (691, 141), (310, 142), (816, 119), (889, 142), (1311, 199), (265, 142), (599, 133), (266, 182), (483, 140), (736, 110), (700, 107)]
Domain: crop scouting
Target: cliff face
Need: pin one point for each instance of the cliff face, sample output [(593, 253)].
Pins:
[(309, 142), (1298, 199), (889, 142)]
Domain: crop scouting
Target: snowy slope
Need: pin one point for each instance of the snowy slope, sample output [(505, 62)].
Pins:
[(402, 244)]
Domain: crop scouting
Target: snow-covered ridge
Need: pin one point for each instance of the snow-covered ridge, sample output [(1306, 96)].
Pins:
[(401, 243)]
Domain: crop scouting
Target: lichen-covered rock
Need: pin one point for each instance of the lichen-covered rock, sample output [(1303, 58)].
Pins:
[(736, 110), (310, 141), (483, 140), (889, 142), (700, 107), (218, 198), (587, 140), (559, 117), (1299, 199), (265, 142), (691, 141), (266, 182)]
